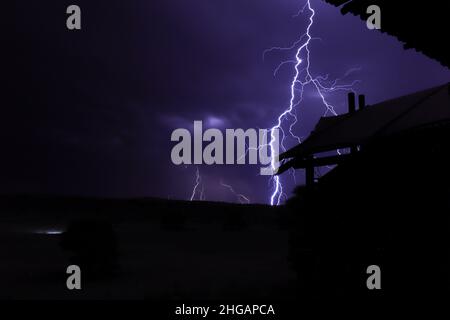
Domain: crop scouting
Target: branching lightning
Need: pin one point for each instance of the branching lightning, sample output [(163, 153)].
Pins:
[(240, 197), (288, 119), (302, 78), (198, 191)]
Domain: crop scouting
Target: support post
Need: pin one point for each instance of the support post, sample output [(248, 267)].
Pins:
[(309, 174), (351, 110)]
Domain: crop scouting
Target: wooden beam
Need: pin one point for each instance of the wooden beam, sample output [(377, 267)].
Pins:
[(320, 162)]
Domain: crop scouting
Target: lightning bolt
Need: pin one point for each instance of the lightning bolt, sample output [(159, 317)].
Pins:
[(302, 78), (199, 190), (241, 198), (198, 181)]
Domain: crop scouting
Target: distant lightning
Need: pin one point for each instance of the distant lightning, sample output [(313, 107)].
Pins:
[(50, 232), (198, 191), (240, 197), (301, 79), (198, 181)]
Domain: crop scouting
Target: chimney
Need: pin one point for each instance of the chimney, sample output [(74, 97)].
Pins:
[(351, 103), (351, 110), (361, 101)]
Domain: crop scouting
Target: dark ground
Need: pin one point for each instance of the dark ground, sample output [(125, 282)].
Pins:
[(315, 249), (166, 250)]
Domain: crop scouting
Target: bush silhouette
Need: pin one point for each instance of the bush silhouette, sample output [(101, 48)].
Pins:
[(93, 244)]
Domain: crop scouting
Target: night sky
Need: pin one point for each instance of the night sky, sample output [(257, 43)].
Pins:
[(90, 112)]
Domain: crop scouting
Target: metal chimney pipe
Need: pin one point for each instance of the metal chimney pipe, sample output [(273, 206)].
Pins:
[(361, 101), (351, 102)]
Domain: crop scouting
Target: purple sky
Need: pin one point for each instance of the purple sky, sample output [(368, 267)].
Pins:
[(91, 112)]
